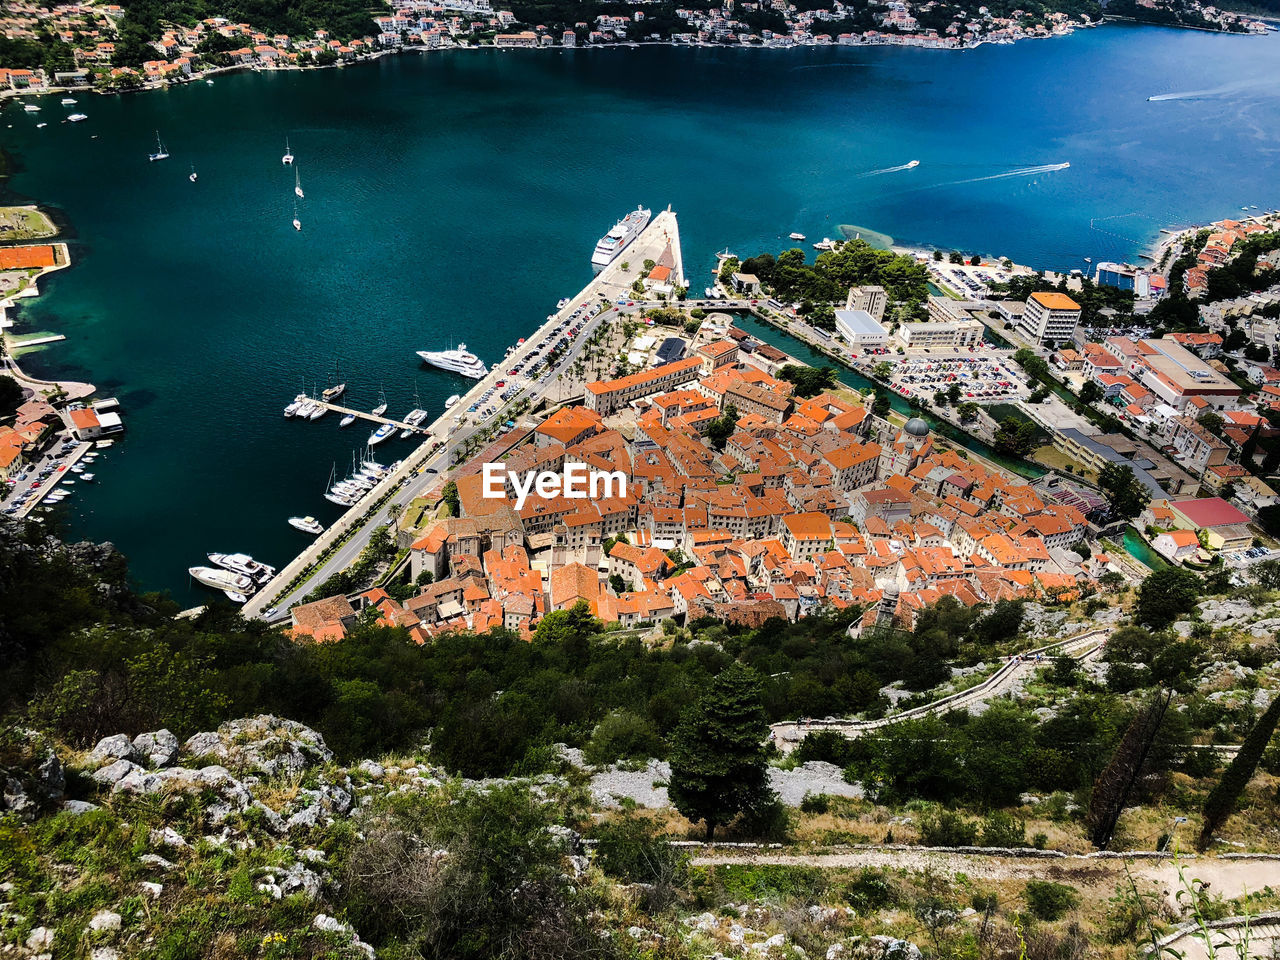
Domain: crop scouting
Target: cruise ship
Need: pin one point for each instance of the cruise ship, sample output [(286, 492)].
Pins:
[(617, 239), (456, 361)]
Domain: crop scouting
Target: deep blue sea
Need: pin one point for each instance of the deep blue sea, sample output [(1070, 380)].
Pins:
[(457, 196)]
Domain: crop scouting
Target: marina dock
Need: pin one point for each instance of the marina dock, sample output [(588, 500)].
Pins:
[(455, 426), (365, 415)]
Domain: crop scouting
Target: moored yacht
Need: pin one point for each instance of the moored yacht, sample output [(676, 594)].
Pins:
[(161, 153), (242, 563), (451, 401), (68, 101), (221, 579), (383, 432), (77, 117), (796, 236), (456, 361), (306, 525), (347, 420), (288, 154)]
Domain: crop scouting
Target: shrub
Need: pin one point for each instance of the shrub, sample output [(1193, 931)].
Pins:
[(1001, 829), (1049, 901), (948, 829), (872, 890), (827, 746), (815, 803), (623, 735), (629, 850)]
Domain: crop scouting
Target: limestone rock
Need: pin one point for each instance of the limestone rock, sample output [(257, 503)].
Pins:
[(108, 749), (105, 920), (374, 771), (104, 953), (113, 773), (159, 749), (79, 806), (40, 938)]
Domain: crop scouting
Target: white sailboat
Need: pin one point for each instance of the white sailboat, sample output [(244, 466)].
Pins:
[(297, 183), (381, 408), (161, 153), (338, 389), (288, 154), (347, 420), (297, 224)]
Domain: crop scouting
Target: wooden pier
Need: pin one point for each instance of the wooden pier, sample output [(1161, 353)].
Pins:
[(365, 415)]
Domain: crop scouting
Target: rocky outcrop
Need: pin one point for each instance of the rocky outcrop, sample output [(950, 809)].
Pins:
[(31, 774), (265, 745)]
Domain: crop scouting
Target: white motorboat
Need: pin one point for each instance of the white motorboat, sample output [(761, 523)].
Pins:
[(193, 176), (451, 401), (796, 236), (456, 361), (288, 154), (161, 153), (31, 108), (294, 409), (77, 117), (87, 477), (235, 597), (242, 563), (911, 165), (68, 101), (221, 579), (307, 525), (78, 468), (383, 432), (104, 444)]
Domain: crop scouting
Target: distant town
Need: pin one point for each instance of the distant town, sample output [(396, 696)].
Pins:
[(65, 46)]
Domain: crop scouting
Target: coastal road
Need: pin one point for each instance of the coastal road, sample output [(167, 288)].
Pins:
[(421, 470)]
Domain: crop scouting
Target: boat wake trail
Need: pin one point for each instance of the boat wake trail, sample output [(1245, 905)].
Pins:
[(1226, 88), (1020, 172), (898, 169)]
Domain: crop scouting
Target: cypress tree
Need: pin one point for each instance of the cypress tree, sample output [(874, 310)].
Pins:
[(1221, 802), (718, 752)]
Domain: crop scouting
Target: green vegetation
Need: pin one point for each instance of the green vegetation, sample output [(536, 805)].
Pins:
[(1127, 496), (718, 764), (1222, 800), (809, 381), (833, 272)]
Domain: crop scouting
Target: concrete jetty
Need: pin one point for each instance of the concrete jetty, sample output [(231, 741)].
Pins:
[(365, 415), (411, 478)]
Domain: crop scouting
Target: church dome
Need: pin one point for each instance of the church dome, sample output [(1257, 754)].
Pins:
[(917, 427)]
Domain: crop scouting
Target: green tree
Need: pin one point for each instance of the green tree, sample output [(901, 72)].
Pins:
[(1222, 799), (809, 381), (1090, 392), (953, 394), (718, 764), (1166, 594), (450, 497), (1125, 493), (968, 412), (883, 370), (10, 396), (721, 428), (1211, 421)]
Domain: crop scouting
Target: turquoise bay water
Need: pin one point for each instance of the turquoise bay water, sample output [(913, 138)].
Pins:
[(457, 197)]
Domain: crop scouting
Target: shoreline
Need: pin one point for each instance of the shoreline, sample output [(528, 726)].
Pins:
[(910, 41)]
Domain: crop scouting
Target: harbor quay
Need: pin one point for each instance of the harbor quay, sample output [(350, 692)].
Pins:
[(422, 469)]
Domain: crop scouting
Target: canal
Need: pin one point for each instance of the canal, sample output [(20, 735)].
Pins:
[(1140, 550)]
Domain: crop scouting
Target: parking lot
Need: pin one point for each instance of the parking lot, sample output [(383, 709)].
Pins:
[(979, 379), (973, 282), (50, 479)]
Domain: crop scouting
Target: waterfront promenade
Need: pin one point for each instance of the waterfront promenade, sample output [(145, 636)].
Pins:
[(347, 537)]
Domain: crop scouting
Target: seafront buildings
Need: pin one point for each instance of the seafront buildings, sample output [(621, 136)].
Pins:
[(88, 40)]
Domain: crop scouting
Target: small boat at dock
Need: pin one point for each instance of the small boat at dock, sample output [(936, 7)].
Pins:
[(448, 404), (381, 408), (236, 597), (384, 432), (347, 420), (338, 389), (87, 477)]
